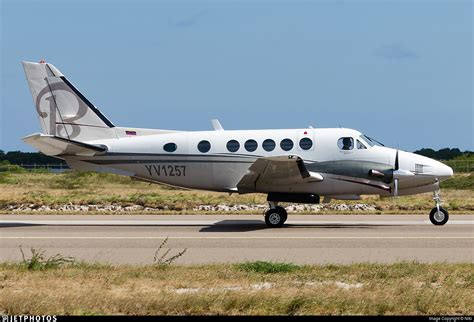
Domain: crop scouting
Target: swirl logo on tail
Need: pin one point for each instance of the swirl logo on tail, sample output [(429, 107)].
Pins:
[(49, 108)]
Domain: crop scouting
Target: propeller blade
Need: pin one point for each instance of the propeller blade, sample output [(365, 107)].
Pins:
[(400, 173), (396, 161)]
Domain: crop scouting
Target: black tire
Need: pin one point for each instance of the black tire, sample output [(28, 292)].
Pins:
[(283, 213), (276, 217), (439, 219)]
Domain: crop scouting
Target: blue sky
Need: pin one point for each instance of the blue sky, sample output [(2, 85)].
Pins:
[(399, 71)]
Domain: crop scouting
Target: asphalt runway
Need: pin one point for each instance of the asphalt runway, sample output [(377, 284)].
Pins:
[(304, 239)]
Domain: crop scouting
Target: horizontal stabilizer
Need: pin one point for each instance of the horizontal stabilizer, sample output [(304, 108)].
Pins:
[(53, 145)]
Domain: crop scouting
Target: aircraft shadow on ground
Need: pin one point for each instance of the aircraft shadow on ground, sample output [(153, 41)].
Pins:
[(17, 224), (221, 226), (234, 226), (252, 225)]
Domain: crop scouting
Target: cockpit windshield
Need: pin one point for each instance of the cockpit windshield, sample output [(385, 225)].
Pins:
[(371, 141)]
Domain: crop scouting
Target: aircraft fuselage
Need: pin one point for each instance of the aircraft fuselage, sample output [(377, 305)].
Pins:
[(176, 159)]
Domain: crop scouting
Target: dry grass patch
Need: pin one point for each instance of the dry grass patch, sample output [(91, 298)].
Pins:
[(81, 188), (403, 288)]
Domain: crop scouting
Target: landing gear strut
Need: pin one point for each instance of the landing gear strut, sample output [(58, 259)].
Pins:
[(275, 216), (438, 215)]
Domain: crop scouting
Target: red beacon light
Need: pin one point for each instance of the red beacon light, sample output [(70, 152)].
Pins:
[(42, 61)]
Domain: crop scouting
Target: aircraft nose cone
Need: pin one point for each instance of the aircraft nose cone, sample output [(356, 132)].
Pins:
[(443, 171)]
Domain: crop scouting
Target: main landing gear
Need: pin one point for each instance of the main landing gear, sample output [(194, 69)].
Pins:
[(275, 216), (438, 215)]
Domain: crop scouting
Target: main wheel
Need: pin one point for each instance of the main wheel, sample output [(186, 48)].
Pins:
[(283, 212), (440, 217), (275, 217)]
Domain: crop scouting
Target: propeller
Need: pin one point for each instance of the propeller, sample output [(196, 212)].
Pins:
[(395, 176), (398, 174)]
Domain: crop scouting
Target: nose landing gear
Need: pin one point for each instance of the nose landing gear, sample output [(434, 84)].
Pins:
[(438, 215), (275, 216)]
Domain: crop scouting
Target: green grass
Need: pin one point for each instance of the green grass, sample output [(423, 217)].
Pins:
[(462, 163), (267, 267), (462, 182), (71, 180)]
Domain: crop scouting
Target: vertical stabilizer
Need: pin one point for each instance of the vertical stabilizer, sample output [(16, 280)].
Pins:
[(63, 111)]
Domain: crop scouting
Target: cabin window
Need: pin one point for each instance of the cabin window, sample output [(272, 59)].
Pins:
[(360, 145), (268, 145), (204, 146), (286, 144), (233, 146), (346, 143), (251, 145), (306, 143), (170, 147)]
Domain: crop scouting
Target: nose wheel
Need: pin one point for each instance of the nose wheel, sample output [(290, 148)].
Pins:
[(276, 216), (438, 215)]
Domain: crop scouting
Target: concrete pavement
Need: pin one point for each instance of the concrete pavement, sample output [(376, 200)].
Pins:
[(315, 239)]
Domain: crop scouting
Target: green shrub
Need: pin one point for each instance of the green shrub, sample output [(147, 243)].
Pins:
[(38, 261), (5, 166)]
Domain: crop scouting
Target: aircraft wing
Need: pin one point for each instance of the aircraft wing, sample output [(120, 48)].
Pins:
[(53, 145), (274, 171)]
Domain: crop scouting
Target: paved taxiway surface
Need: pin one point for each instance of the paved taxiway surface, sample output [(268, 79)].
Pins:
[(236, 238)]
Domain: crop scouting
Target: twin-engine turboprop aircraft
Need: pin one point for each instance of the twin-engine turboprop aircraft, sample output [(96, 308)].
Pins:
[(298, 165)]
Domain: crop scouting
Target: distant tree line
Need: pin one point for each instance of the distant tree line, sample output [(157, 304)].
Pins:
[(18, 157), (444, 154)]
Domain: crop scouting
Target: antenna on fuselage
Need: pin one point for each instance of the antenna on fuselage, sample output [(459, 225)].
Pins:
[(217, 125)]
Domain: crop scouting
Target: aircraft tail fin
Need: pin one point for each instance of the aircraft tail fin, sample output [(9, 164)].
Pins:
[(63, 111)]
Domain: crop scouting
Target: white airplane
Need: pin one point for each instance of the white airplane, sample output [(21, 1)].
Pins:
[(292, 165)]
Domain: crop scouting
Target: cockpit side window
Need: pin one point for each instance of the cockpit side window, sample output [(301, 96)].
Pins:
[(346, 143), (360, 145), (371, 141), (367, 140)]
